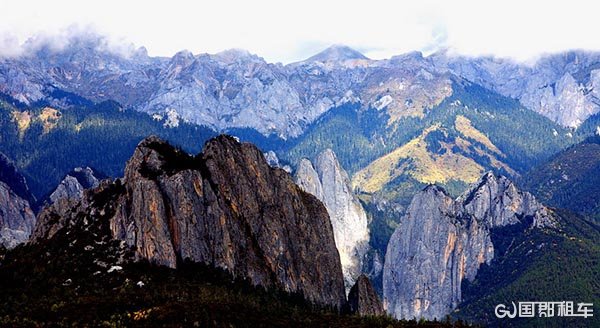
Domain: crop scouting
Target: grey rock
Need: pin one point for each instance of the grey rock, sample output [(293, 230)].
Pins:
[(336, 53), (16, 218), (363, 299), (560, 86), (329, 182), (74, 183), (441, 241), (236, 89)]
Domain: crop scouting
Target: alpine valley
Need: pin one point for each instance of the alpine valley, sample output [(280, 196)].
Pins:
[(338, 191)]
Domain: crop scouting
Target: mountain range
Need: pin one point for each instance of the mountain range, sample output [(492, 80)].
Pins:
[(430, 187), (236, 89)]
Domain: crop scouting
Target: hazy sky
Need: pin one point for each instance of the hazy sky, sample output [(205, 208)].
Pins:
[(285, 31)]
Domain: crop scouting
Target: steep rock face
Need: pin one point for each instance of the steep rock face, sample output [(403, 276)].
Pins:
[(232, 89), (441, 241), (329, 182), (498, 202), (16, 216), (363, 299), (10, 175), (225, 207), (74, 183)]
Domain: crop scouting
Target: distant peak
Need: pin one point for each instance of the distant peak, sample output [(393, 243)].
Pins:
[(184, 54), (327, 155), (233, 55), (337, 53), (237, 52)]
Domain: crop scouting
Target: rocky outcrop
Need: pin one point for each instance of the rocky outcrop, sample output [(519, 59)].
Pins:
[(363, 299), (441, 241), (74, 183), (224, 207), (16, 216), (273, 161), (328, 181)]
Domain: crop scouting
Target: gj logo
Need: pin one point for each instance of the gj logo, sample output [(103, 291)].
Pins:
[(545, 310)]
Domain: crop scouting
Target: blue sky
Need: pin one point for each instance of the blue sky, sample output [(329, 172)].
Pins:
[(286, 31)]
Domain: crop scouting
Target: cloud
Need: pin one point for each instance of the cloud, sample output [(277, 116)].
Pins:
[(9, 45), (72, 35), (288, 31)]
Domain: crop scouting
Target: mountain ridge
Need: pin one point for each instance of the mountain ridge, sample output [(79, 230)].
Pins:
[(236, 89)]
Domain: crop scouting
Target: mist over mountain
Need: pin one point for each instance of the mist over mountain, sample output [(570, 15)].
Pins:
[(236, 89)]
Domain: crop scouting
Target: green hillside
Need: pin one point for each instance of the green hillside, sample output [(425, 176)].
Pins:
[(472, 131), (570, 180), (538, 265), (46, 143)]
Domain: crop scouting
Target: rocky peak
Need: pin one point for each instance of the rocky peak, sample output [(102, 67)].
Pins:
[(441, 241), (233, 55), (363, 299), (179, 61), (329, 182), (336, 53), (273, 161), (74, 183), (225, 207), (308, 178), (497, 200)]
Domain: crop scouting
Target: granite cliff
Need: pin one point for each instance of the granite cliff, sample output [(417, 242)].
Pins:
[(441, 241), (329, 182), (16, 216), (225, 207)]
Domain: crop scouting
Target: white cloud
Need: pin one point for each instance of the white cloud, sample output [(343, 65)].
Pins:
[(292, 30)]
